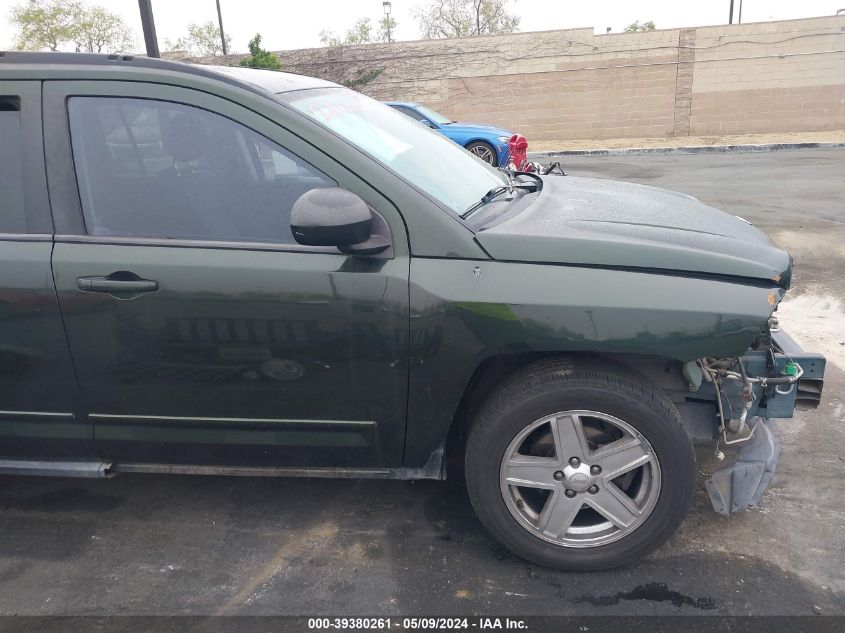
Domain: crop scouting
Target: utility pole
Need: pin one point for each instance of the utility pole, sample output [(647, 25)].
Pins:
[(149, 26), (731, 16), (387, 7), (222, 35), (739, 21)]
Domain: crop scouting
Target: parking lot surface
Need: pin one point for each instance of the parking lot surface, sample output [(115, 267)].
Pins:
[(196, 545)]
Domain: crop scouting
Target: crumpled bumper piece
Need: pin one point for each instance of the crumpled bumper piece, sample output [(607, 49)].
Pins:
[(740, 485)]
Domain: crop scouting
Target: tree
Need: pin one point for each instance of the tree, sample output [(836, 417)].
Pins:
[(260, 58), (360, 33), (52, 24), (202, 40), (44, 24), (386, 28), (635, 27), (465, 18), (346, 73), (101, 31)]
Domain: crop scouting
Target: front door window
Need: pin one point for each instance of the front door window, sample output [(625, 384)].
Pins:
[(158, 169)]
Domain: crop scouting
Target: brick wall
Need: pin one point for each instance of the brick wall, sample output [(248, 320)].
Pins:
[(749, 78)]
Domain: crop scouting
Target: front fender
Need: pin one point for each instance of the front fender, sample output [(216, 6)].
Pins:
[(464, 312)]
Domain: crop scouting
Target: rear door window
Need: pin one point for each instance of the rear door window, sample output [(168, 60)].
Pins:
[(158, 169), (12, 209)]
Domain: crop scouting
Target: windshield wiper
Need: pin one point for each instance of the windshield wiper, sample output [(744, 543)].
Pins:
[(511, 187), (487, 197), (495, 192)]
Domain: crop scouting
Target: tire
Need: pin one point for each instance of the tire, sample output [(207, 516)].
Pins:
[(542, 408), (484, 151)]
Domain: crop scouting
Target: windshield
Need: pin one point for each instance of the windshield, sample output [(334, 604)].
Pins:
[(431, 115), (423, 157)]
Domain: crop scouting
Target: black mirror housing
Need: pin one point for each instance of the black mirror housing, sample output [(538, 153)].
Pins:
[(330, 216)]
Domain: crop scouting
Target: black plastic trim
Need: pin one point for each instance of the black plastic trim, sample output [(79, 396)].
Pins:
[(26, 237), (94, 59)]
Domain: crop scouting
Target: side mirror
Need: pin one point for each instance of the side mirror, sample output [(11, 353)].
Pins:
[(333, 216)]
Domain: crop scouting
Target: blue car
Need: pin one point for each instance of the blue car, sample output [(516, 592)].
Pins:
[(489, 143)]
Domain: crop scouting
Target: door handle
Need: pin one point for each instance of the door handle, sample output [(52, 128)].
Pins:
[(117, 283)]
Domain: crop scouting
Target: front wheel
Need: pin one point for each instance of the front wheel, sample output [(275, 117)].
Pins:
[(579, 467), (484, 151)]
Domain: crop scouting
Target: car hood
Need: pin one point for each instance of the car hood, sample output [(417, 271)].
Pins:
[(587, 221), (475, 128)]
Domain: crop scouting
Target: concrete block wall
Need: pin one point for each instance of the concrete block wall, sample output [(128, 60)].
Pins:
[(772, 77), (786, 76)]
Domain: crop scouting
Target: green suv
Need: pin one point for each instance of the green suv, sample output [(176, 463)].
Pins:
[(236, 271)]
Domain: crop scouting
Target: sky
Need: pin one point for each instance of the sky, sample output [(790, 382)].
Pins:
[(286, 24)]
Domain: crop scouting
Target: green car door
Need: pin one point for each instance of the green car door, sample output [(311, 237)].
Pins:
[(39, 416), (207, 335)]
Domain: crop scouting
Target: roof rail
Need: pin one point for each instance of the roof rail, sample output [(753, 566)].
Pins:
[(132, 61), (88, 59)]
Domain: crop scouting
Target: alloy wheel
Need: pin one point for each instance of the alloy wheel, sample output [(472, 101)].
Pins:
[(483, 152), (580, 478)]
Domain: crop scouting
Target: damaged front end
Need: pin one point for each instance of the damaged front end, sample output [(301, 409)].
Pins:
[(740, 485), (750, 392)]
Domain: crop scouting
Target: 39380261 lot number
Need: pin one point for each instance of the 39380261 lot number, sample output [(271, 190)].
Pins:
[(416, 624)]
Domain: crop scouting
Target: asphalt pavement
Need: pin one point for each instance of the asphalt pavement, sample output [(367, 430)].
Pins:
[(203, 545)]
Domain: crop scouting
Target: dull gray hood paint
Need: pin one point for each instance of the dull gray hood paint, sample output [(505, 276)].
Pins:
[(608, 223)]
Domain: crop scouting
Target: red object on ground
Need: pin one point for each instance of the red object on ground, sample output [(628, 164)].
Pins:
[(518, 151)]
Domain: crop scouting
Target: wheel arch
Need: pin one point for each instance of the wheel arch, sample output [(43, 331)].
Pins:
[(662, 372), (476, 139), (487, 142)]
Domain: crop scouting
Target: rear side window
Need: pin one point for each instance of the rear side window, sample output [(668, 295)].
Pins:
[(411, 113), (159, 169), (12, 210)]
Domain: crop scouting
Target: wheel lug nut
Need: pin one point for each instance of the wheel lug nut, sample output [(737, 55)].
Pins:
[(595, 470), (558, 475), (574, 462), (569, 493), (593, 489)]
